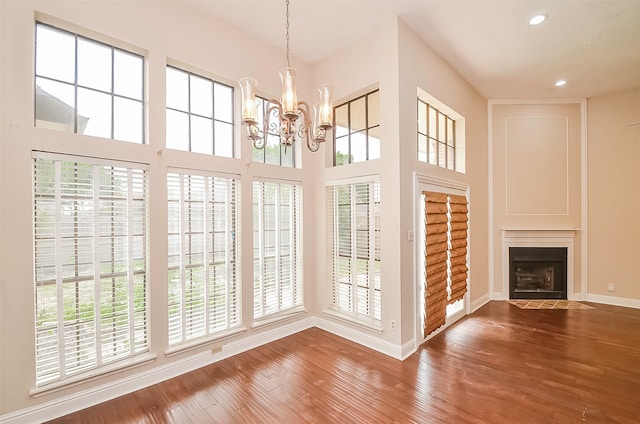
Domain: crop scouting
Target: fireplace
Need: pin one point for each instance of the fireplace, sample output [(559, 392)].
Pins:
[(537, 272)]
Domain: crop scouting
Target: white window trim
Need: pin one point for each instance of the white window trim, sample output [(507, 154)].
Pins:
[(130, 361), (334, 311), (298, 286), (187, 344)]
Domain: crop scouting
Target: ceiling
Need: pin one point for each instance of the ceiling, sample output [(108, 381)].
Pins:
[(594, 45)]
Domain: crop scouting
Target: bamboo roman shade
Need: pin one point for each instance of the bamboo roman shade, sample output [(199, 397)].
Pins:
[(445, 255)]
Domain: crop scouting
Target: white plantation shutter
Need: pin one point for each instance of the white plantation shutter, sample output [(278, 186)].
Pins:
[(90, 258), (354, 225), (277, 270), (204, 261)]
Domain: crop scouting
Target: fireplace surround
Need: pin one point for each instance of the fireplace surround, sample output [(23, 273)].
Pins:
[(538, 238)]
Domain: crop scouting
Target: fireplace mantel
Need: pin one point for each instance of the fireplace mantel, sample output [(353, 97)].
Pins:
[(536, 237)]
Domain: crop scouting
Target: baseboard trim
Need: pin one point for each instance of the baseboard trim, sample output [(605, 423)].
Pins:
[(93, 396), (382, 346), (612, 300), (408, 348), (479, 303)]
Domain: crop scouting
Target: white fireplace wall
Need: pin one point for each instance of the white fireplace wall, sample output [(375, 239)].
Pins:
[(537, 151)]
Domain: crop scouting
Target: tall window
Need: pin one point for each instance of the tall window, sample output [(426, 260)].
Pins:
[(354, 224), (88, 87), (436, 137), (204, 249), (274, 152), (199, 114), (277, 265), (357, 129), (90, 256)]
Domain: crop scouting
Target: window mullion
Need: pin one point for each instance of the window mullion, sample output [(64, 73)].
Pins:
[(96, 263), (59, 262), (261, 238), (293, 246), (354, 254), (371, 258), (207, 211), (130, 260), (278, 256), (183, 253)]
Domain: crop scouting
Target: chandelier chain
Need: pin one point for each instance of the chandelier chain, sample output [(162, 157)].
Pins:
[(287, 27)]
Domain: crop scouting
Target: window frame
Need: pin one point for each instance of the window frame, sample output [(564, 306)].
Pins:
[(76, 86), (443, 138), (138, 320), (213, 119), (262, 311), (350, 132), (373, 289), (187, 180)]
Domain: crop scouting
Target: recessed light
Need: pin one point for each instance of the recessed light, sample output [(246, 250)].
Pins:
[(560, 83), (538, 19)]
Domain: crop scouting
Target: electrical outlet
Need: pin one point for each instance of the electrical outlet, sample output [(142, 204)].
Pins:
[(393, 325), (611, 287), (216, 349)]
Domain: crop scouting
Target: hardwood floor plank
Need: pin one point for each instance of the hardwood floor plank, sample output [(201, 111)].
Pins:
[(499, 365)]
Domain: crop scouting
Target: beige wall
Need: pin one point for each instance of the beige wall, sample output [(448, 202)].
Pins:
[(536, 175), (613, 215)]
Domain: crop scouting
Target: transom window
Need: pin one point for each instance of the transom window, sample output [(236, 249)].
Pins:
[(436, 137), (199, 114), (357, 129), (204, 248), (88, 87), (277, 265), (354, 225), (274, 152), (90, 257)]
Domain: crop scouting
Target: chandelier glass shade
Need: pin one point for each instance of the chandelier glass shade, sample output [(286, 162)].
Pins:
[(295, 120)]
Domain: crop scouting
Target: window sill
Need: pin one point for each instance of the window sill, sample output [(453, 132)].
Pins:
[(371, 325), (193, 344), (278, 317), (125, 364)]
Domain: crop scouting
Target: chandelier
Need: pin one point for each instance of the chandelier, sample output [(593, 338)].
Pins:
[(293, 120)]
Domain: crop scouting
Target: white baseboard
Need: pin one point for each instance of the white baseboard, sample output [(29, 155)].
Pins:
[(95, 395), (382, 346), (611, 300), (479, 303), (408, 349), (498, 296)]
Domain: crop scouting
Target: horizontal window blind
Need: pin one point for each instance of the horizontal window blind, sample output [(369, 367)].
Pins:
[(354, 225), (90, 258), (204, 255), (277, 265)]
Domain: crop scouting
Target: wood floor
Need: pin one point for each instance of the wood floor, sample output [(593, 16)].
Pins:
[(499, 365)]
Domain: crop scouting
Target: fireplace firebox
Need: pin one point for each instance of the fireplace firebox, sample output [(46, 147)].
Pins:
[(537, 272)]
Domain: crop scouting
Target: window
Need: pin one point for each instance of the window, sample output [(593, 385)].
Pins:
[(357, 129), (274, 152), (87, 87), (277, 265), (199, 114), (445, 227), (436, 137), (354, 225), (204, 248), (90, 257)]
